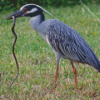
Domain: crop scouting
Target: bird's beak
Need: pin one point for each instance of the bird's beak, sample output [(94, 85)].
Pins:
[(18, 13)]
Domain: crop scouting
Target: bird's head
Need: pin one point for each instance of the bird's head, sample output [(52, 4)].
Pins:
[(29, 10)]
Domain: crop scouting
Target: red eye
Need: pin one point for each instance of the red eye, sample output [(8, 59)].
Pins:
[(25, 10)]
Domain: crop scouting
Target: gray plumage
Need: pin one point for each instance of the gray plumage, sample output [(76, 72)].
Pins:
[(65, 41), (70, 45)]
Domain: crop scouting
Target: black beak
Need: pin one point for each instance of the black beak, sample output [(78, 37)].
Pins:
[(18, 13)]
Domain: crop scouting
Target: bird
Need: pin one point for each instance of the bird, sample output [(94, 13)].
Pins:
[(66, 42)]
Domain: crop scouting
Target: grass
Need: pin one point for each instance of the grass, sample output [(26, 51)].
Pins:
[(37, 61)]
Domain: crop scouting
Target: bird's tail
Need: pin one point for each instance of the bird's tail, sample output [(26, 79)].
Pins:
[(97, 65), (95, 62)]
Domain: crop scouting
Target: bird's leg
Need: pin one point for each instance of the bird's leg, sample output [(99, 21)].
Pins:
[(75, 76), (56, 77)]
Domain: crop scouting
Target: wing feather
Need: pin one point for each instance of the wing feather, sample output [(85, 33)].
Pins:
[(69, 43), (66, 41)]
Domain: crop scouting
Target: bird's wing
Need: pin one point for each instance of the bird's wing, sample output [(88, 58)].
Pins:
[(66, 41), (69, 43)]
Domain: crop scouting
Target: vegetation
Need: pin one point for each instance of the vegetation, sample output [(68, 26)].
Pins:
[(37, 60), (8, 4)]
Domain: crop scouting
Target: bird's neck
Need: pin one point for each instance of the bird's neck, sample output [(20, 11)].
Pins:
[(36, 21)]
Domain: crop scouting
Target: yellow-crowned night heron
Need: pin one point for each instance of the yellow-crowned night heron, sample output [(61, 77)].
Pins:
[(64, 40)]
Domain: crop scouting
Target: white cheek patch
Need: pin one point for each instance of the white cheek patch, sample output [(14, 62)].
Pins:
[(35, 9), (32, 10)]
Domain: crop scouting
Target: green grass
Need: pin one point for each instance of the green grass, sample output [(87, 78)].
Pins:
[(37, 61)]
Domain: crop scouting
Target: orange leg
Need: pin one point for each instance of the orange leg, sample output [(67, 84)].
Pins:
[(74, 71), (56, 77)]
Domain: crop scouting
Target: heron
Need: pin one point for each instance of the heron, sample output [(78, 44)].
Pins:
[(66, 42)]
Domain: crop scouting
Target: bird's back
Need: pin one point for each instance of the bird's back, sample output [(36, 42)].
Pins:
[(69, 43)]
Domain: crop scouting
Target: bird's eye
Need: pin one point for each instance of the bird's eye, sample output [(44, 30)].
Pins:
[(25, 10)]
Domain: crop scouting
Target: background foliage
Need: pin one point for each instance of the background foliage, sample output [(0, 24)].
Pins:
[(8, 4)]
